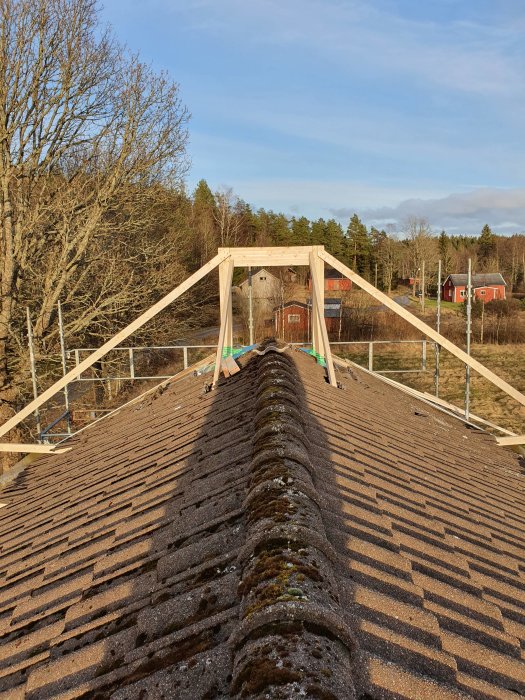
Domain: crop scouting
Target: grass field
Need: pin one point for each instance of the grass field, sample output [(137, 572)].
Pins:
[(445, 305), (486, 401)]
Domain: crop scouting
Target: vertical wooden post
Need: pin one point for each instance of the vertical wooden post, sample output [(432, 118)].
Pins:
[(321, 345), (225, 296), (317, 275)]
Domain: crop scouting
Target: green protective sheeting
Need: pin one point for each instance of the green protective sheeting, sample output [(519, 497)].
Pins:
[(320, 359)]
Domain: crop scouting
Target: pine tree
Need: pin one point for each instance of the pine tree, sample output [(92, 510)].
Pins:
[(335, 238), (358, 246), (319, 233), (204, 208), (486, 245), (444, 253), (280, 229), (301, 231)]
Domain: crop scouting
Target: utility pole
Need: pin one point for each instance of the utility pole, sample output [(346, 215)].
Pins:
[(438, 327), (250, 305), (376, 277), (469, 330)]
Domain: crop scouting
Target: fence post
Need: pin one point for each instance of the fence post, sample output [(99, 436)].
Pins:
[(131, 364), (424, 354), (77, 361), (185, 355), (371, 355)]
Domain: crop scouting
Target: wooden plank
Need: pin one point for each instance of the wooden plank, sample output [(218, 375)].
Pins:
[(33, 449), (317, 270), (317, 339), (230, 365), (270, 256), (112, 343), (514, 440), (225, 299), (423, 327), (226, 292)]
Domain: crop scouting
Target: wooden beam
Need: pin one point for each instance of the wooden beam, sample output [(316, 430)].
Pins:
[(423, 327), (229, 364), (509, 441), (225, 293), (225, 299), (33, 449), (116, 340), (317, 270), (278, 256), (317, 291)]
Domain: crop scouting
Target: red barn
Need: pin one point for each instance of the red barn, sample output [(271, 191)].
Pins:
[(333, 309), (292, 321), (486, 287), (334, 281)]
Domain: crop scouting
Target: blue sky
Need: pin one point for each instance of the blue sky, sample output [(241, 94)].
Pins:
[(389, 108)]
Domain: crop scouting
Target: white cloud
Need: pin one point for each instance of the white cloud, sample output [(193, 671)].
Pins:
[(319, 198), (502, 209)]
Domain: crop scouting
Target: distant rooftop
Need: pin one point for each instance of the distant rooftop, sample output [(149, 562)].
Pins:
[(481, 280)]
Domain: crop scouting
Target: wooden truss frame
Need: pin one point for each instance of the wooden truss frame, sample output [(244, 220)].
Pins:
[(226, 260)]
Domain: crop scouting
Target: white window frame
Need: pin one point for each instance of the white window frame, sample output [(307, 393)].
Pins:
[(294, 318)]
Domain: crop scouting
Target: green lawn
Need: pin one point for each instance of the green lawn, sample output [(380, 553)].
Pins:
[(432, 303)]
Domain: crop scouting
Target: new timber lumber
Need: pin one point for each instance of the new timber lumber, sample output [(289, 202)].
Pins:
[(230, 365), (30, 448), (423, 327), (509, 441), (317, 271), (116, 340), (277, 256), (225, 295)]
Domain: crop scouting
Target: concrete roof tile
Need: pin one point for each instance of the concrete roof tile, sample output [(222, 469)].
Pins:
[(267, 539)]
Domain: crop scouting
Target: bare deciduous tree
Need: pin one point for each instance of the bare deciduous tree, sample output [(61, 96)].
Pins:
[(88, 136)]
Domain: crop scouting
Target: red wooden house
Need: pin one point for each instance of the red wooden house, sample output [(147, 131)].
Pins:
[(292, 321), (334, 281), (486, 287)]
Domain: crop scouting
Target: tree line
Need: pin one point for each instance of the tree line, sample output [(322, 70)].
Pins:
[(382, 257)]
